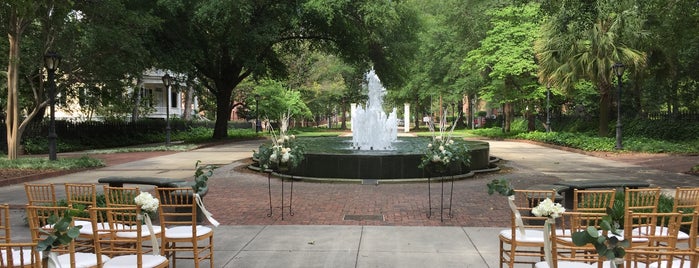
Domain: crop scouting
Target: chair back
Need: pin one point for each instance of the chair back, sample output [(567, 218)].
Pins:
[(40, 225), (5, 235), (120, 196), (686, 202), (652, 230), (178, 206), (40, 194), (596, 201), (661, 258), (641, 200), (561, 235), (122, 233), (19, 255)]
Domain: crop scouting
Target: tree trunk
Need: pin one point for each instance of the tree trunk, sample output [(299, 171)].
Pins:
[(417, 114), (604, 106), (137, 100), (531, 121), (343, 108), (188, 103), (12, 112), (508, 117), (223, 113)]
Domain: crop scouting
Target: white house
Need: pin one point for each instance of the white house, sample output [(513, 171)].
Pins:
[(150, 86)]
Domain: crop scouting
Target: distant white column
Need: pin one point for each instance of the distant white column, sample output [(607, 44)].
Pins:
[(353, 109), (406, 117)]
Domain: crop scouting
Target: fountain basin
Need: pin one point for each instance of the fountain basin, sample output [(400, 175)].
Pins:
[(339, 162)]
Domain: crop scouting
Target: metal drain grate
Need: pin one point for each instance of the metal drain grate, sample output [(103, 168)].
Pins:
[(375, 217), (370, 182)]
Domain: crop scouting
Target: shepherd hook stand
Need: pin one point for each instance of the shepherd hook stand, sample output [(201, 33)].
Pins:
[(441, 200), (291, 195)]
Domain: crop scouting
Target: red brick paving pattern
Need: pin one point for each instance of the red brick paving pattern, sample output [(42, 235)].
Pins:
[(241, 198)]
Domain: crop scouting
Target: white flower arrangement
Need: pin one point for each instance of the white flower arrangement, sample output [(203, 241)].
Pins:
[(548, 208), (284, 151), (443, 151), (147, 202)]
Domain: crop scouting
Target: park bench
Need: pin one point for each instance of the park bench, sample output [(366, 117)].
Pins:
[(116, 181)]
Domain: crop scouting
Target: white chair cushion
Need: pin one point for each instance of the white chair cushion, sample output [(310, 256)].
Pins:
[(87, 229), (662, 231), (532, 235), (129, 261), (82, 260), (608, 264), (566, 264), (144, 232), (186, 231), (16, 260), (675, 264)]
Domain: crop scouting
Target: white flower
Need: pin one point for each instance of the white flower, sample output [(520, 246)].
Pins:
[(147, 202), (439, 138), (286, 138), (280, 141), (435, 158), (451, 142), (547, 208), (273, 157), (285, 157), (293, 137), (429, 145), (441, 148)]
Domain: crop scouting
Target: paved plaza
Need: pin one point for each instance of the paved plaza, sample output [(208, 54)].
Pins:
[(355, 225)]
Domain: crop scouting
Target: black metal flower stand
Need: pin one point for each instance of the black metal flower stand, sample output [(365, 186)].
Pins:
[(291, 194), (442, 208)]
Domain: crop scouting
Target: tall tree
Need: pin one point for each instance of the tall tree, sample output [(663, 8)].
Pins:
[(224, 42), (585, 43), (506, 57)]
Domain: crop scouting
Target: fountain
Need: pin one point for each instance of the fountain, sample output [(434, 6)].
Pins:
[(375, 152), (371, 128)]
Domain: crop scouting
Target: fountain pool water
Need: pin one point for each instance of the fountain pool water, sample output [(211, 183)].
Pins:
[(332, 158), (372, 129)]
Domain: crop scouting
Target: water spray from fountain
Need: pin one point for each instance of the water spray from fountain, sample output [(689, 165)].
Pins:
[(372, 129)]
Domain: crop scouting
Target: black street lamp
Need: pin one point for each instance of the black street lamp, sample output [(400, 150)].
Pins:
[(167, 81), (258, 124), (619, 71), (548, 107), (51, 62)]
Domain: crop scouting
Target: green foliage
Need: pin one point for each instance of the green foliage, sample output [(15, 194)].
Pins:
[(501, 186), (667, 130), (201, 176), (61, 234), (606, 246), (43, 163)]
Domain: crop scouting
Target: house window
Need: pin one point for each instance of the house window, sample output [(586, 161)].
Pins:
[(173, 99)]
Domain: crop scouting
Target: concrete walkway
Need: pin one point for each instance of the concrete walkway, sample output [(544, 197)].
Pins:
[(316, 236)]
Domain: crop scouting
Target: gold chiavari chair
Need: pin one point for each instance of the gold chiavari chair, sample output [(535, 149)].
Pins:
[(178, 217), (523, 242), (122, 238)]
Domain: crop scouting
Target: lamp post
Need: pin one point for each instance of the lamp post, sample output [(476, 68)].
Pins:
[(619, 71), (548, 115), (258, 124), (51, 62), (167, 81)]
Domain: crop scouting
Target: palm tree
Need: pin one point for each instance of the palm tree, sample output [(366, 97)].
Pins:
[(565, 57)]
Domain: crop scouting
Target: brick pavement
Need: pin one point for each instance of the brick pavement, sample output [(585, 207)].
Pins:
[(241, 198)]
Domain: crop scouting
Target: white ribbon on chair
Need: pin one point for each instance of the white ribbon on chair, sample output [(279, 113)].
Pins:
[(208, 215), (547, 242), (518, 216), (153, 239)]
